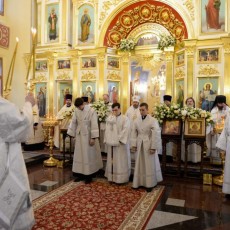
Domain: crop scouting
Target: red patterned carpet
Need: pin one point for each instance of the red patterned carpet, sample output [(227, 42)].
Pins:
[(98, 205)]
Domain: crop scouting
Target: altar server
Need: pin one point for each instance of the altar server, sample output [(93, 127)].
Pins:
[(64, 116), (87, 154), (224, 144), (146, 140), (117, 140), (16, 210)]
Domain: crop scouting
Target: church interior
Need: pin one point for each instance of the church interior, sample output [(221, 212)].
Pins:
[(124, 49)]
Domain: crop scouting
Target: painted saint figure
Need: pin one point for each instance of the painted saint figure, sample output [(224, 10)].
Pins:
[(53, 25), (212, 14), (85, 26)]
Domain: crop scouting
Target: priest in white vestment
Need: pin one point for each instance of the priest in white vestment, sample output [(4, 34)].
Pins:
[(224, 144), (14, 128), (102, 125), (219, 112), (118, 165), (64, 116), (133, 113), (35, 139), (87, 154), (146, 140)]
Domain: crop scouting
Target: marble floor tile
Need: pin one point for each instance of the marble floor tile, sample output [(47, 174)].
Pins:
[(49, 183), (160, 219), (175, 202), (35, 193)]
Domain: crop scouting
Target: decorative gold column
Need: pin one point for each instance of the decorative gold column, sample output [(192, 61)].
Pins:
[(101, 72), (169, 72), (125, 81), (190, 46), (74, 62), (226, 46)]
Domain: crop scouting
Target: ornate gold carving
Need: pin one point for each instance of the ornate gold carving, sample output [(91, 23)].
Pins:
[(180, 73), (63, 76), (190, 50), (107, 5), (101, 57), (40, 77), (168, 56), (112, 75), (208, 70), (227, 48), (190, 7), (88, 76), (147, 12)]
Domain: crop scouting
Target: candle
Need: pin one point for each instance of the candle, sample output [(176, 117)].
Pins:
[(9, 78)]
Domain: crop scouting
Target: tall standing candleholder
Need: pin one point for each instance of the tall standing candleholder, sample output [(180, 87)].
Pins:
[(218, 180), (49, 124)]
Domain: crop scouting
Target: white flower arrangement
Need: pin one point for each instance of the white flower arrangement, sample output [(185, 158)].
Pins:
[(101, 109), (68, 113), (126, 44), (166, 41), (163, 112), (196, 113)]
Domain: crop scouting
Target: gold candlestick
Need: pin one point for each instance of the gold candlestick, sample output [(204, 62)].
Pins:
[(218, 180), (50, 123), (9, 77)]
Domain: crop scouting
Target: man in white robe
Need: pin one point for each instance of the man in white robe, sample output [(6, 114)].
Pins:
[(87, 154), (118, 165), (14, 128), (133, 113), (146, 140), (224, 144), (102, 125), (64, 116), (35, 139), (219, 112)]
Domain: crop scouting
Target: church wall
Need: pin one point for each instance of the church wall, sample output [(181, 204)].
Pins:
[(70, 61), (17, 16)]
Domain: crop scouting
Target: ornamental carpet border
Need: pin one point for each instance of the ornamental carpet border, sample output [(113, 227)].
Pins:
[(98, 205)]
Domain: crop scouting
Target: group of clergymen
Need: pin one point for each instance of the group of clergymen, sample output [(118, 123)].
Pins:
[(135, 135)]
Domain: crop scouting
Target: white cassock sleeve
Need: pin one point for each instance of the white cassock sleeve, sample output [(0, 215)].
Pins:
[(124, 134), (222, 140), (134, 133), (15, 124), (73, 125), (156, 135), (94, 129)]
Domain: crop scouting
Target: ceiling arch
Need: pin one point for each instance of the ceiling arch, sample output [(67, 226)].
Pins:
[(140, 13)]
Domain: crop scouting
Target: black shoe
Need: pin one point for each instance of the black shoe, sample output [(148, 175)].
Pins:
[(78, 179), (149, 189), (88, 180)]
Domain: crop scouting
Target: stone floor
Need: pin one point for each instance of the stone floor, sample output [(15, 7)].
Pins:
[(186, 204)]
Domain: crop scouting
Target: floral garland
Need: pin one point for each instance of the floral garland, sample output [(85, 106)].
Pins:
[(68, 113), (166, 41), (101, 109), (126, 44), (163, 112), (196, 113)]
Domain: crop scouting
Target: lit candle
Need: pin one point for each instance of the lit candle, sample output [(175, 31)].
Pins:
[(9, 78)]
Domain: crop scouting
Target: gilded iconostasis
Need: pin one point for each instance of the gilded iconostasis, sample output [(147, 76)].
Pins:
[(78, 51)]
